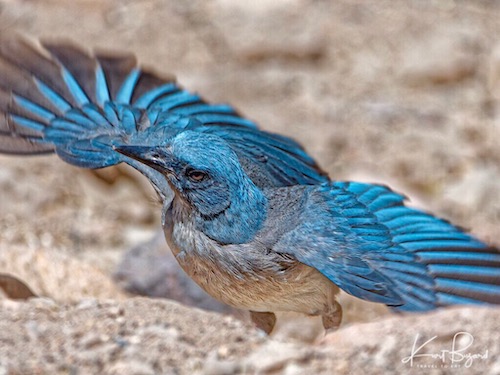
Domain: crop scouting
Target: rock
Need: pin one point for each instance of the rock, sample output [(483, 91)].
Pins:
[(298, 44), (150, 269), (143, 336), (445, 56), (276, 356), (57, 275), (494, 73), (477, 190), (131, 367), (386, 344), (153, 337), (493, 81), (14, 288)]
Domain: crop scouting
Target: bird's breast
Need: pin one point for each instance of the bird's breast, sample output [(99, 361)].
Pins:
[(246, 276)]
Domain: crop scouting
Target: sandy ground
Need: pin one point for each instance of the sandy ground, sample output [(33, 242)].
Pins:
[(402, 93)]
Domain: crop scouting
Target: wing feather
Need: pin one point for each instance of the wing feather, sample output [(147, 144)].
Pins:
[(372, 246), (57, 96)]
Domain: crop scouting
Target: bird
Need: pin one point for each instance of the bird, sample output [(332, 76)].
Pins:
[(292, 248), (248, 214), (57, 97)]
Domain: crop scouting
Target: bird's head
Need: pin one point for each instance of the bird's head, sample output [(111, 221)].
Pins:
[(201, 168)]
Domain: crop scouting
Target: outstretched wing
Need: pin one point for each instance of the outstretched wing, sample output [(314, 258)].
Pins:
[(57, 97), (365, 240)]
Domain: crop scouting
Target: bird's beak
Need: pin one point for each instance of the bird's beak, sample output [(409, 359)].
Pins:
[(154, 157), (140, 158)]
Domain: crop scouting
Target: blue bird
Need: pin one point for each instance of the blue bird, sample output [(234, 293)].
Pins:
[(292, 248), (249, 214)]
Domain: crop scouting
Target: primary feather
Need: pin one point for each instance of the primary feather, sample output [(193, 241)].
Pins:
[(57, 97), (364, 239)]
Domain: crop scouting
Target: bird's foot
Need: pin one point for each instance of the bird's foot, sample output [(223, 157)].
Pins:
[(263, 320), (333, 318)]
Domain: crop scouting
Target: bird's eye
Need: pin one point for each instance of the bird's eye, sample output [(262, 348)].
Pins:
[(196, 175)]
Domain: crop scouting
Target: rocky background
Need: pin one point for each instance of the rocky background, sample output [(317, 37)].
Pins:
[(405, 93)]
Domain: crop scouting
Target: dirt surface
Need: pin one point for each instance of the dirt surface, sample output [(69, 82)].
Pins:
[(142, 336), (404, 93)]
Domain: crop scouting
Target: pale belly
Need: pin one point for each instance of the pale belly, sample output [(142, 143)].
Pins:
[(302, 289), (227, 278)]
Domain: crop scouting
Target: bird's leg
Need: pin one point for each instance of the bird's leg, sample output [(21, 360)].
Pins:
[(263, 320), (332, 318)]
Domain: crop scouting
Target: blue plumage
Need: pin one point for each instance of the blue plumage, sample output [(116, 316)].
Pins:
[(255, 221), (361, 237), (76, 105), (398, 254)]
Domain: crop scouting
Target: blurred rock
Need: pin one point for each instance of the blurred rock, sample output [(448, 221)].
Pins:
[(297, 327), (276, 356), (476, 189), (137, 336), (303, 40), (56, 275), (120, 173), (14, 288), (144, 336), (494, 73), (444, 56), (150, 269), (493, 82), (386, 345)]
